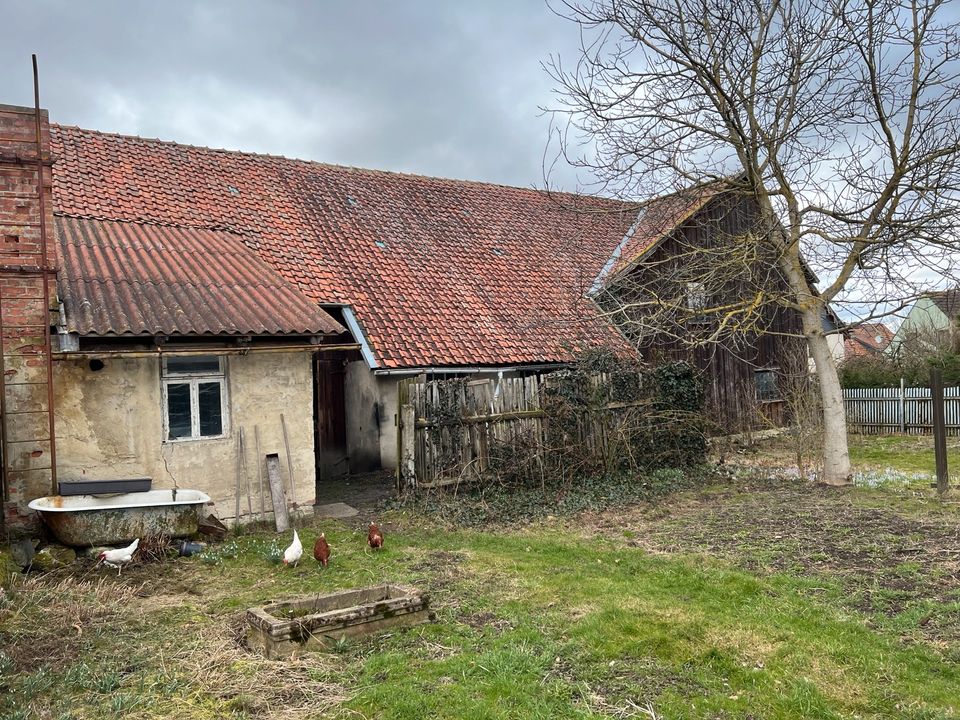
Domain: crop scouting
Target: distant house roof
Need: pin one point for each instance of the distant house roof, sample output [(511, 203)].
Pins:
[(947, 301), (866, 339), (128, 278), (437, 272)]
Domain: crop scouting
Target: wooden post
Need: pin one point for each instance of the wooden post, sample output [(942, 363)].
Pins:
[(263, 503), (939, 430), (403, 393), (246, 475), (236, 507), (408, 464), (280, 517), (286, 445), (903, 405)]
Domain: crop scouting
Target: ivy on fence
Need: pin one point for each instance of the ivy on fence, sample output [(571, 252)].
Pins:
[(603, 414)]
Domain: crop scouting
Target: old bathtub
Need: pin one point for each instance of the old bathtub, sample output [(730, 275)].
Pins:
[(110, 520)]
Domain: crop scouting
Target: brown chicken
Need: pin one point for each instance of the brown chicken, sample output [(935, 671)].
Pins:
[(375, 537), (321, 550)]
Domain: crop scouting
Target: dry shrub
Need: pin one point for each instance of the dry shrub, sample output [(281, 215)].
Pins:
[(45, 619), (272, 689), (154, 549)]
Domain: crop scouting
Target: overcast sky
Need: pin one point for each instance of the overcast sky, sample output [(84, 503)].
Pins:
[(449, 88)]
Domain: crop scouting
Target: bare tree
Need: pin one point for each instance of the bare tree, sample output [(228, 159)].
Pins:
[(839, 121)]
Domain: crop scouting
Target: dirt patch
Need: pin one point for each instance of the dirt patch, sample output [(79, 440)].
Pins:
[(31, 652), (887, 562), (441, 570), (626, 688), (485, 620)]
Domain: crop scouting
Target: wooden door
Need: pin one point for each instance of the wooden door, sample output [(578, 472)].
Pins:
[(330, 416)]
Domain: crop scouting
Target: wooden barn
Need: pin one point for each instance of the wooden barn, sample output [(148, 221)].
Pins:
[(687, 283)]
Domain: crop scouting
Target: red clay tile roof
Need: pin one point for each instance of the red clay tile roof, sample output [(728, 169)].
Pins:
[(866, 339), (122, 278), (439, 272), (656, 219)]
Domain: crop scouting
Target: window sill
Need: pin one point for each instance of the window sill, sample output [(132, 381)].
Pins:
[(177, 441)]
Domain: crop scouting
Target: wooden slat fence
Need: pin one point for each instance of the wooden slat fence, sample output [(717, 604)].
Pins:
[(882, 411), (460, 426)]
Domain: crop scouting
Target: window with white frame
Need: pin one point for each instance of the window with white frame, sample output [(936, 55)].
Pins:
[(194, 397)]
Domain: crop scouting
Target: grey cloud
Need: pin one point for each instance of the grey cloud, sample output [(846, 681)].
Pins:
[(439, 88)]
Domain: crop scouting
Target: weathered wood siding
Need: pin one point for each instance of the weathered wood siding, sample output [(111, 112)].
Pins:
[(728, 368), (452, 431)]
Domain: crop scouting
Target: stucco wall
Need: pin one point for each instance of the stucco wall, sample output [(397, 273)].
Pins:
[(388, 428), (110, 425), (365, 418)]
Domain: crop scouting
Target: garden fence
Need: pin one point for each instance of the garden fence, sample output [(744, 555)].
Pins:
[(883, 411), (449, 431)]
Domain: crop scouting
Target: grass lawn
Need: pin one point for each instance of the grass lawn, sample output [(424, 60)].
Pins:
[(910, 457), (907, 453), (745, 599)]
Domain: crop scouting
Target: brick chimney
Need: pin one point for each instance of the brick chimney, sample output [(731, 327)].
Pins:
[(27, 296)]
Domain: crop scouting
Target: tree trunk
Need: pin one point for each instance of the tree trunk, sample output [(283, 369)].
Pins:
[(836, 457)]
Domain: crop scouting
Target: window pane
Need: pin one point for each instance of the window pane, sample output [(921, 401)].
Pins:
[(696, 296), (209, 405), (193, 364), (766, 385), (178, 410)]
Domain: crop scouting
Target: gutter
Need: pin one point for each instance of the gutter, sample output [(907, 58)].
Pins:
[(107, 354), (614, 258), (353, 325), (467, 369)]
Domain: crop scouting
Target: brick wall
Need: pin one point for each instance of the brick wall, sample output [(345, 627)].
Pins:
[(25, 311)]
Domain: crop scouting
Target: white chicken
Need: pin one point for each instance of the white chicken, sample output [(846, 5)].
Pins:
[(119, 557), (291, 556)]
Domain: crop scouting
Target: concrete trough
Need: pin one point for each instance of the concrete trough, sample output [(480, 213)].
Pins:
[(286, 629)]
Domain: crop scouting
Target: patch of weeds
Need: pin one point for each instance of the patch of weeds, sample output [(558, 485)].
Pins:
[(37, 683), (341, 646), (509, 505), (6, 668), (123, 703), (215, 555), (269, 549), (79, 677), (888, 478), (105, 682), (19, 714)]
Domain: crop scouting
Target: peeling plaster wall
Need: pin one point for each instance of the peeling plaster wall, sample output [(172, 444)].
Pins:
[(365, 418), (110, 426), (387, 387)]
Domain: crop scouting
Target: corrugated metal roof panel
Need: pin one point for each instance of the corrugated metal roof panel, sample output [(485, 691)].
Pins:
[(127, 278)]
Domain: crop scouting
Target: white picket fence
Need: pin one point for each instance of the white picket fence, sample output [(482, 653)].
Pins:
[(881, 411)]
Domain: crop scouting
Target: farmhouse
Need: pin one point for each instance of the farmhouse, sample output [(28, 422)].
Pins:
[(210, 306), (866, 340), (932, 322)]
